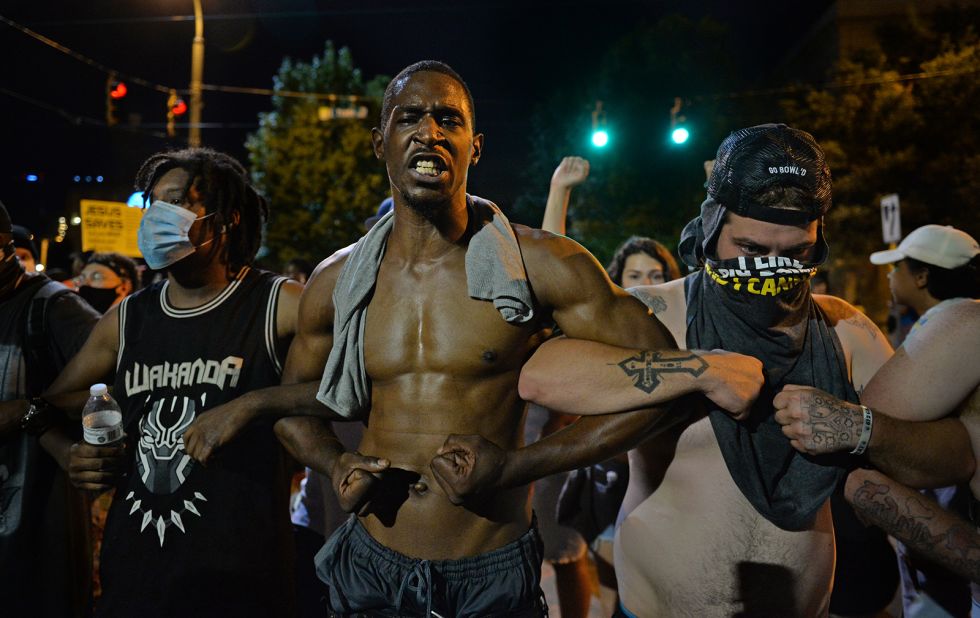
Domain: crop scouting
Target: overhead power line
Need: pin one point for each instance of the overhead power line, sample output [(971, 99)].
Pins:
[(82, 58), (353, 98), (333, 97), (287, 15), (326, 96), (835, 84), (75, 119)]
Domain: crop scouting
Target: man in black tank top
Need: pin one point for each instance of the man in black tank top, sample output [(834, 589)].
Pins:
[(183, 538)]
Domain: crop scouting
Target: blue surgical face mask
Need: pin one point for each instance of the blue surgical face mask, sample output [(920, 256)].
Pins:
[(163, 235)]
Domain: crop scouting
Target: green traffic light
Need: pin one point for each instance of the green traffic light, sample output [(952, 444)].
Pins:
[(680, 135), (600, 139)]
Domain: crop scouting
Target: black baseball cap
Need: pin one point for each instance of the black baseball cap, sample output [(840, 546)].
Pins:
[(754, 160)]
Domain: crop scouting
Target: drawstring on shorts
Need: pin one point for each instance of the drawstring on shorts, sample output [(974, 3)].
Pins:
[(418, 580)]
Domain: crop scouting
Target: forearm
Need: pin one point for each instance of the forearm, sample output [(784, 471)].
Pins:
[(596, 378), (311, 441), (918, 522), (556, 209), (69, 402), (587, 441), (922, 454), (276, 402), (57, 443)]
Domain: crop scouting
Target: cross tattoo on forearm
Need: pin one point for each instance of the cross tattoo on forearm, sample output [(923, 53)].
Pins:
[(646, 368)]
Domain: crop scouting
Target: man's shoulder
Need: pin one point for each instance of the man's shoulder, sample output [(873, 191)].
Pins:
[(558, 267), (663, 297), (959, 322), (316, 297), (863, 343), (965, 311), (40, 286), (542, 244), (834, 307), (668, 303), (62, 301), (146, 295), (844, 316), (325, 274)]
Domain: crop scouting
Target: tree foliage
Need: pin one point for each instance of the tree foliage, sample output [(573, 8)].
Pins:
[(321, 177), (917, 137), (639, 184)]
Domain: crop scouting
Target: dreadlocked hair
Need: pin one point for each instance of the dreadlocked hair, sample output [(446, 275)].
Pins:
[(225, 189)]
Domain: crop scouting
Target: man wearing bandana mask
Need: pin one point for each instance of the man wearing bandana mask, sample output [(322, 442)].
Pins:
[(722, 516), (42, 325)]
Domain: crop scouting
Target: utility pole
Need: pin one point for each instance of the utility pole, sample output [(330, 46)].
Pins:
[(197, 74)]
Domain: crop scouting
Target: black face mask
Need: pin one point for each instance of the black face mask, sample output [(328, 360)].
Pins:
[(11, 271), (765, 293), (100, 298)]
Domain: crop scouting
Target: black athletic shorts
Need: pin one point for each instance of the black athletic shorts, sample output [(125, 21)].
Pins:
[(368, 579)]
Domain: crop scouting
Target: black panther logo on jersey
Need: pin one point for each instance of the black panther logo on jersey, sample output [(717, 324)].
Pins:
[(164, 465), (163, 462)]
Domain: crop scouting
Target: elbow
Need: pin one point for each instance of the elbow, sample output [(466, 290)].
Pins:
[(539, 382), (284, 432), (859, 480), (538, 379), (530, 386)]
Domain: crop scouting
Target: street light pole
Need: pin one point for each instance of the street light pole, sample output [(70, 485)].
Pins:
[(197, 74)]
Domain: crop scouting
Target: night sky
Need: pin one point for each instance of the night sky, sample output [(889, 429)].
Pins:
[(512, 54)]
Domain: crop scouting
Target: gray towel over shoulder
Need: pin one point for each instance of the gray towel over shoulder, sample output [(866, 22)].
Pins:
[(494, 272)]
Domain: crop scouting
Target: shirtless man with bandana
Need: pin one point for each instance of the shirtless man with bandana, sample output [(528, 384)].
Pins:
[(720, 518)]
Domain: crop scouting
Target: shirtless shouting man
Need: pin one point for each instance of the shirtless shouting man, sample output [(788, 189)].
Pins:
[(423, 326), (722, 517)]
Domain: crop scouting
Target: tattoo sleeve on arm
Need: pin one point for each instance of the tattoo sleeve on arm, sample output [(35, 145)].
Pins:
[(834, 425), (655, 302), (646, 368), (920, 523), (860, 321)]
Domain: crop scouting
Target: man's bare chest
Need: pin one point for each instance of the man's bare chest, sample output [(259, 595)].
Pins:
[(422, 320)]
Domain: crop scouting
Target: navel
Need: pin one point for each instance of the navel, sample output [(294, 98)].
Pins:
[(489, 356)]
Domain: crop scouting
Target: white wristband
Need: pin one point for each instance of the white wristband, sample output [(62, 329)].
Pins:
[(865, 438)]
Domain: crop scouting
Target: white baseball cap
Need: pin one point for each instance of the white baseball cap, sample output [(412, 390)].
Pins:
[(938, 245)]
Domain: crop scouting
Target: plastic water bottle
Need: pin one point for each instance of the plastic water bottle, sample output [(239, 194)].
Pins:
[(101, 417)]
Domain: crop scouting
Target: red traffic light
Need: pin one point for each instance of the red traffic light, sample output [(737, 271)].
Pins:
[(179, 108), (118, 90)]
